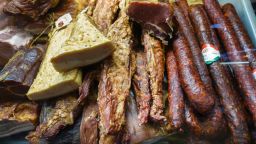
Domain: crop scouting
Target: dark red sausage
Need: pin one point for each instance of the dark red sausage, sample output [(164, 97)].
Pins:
[(243, 74), (229, 97), (141, 86), (185, 27), (242, 35), (183, 4), (190, 79), (175, 93), (212, 126)]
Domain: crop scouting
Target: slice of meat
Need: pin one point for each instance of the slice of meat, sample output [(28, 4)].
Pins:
[(153, 16), (155, 65), (115, 78), (105, 13), (141, 86), (18, 74)]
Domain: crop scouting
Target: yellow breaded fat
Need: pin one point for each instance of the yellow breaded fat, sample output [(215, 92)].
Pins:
[(87, 45), (49, 82)]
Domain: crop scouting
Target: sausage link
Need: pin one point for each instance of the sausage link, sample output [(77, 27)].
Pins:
[(229, 97), (175, 93), (190, 79), (243, 74), (212, 126), (141, 87), (242, 35), (186, 29), (183, 4)]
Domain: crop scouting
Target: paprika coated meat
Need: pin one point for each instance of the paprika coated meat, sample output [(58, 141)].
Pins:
[(242, 35), (193, 86), (243, 74), (186, 29), (229, 97), (175, 93)]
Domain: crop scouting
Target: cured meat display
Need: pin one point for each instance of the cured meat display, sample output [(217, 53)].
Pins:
[(126, 72)]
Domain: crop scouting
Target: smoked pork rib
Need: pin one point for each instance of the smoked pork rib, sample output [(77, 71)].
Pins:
[(104, 13), (155, 65), (141, 88), (115, 78)]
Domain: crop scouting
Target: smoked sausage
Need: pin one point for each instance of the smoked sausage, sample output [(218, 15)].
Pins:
[(185, 27), (229, 97), (193, 86), (175, 93), (242, 72), (242, 35)]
